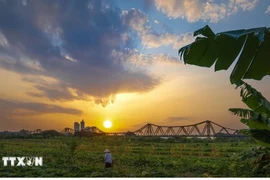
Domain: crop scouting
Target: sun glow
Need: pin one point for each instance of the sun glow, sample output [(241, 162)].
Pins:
[(107, 124)]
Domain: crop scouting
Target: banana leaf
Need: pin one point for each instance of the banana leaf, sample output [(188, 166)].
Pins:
[(260, 136), (254, 99), (250, 114), (256, 124), (249, 48)]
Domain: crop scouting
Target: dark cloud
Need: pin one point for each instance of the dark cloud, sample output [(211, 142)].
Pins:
[(8, 108), (71, 41), (53, 93), (177, 118)]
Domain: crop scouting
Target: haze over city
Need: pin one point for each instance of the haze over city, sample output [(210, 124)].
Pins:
[(118, 61)]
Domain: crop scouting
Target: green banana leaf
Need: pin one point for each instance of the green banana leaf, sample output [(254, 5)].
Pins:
[(256, 124), (250, 114), (260, 136), (254, 99), (250, 48), (256, 119)]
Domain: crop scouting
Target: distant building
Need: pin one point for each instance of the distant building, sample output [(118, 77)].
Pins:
[(82, 124), (89, 129), (76, 127)]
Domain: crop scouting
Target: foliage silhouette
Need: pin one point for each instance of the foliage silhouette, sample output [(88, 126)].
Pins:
[(250, 48)]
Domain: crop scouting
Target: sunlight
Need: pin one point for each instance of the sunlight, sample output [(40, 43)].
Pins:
[(107, 124)]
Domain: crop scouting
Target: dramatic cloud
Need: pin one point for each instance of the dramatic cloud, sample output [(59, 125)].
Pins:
[(72, 42), (139, 22), (89, 46), (268, 10), (24, 108), (196, 10)]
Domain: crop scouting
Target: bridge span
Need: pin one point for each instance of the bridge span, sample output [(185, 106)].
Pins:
[(202, 129)]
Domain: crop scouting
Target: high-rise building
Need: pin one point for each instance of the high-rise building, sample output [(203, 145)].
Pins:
[(82, 124), (76, 127)]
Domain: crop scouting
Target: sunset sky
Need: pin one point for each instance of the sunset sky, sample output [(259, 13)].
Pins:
[(62, 61)]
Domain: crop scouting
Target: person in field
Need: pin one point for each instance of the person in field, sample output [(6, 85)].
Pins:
[(108, 158)]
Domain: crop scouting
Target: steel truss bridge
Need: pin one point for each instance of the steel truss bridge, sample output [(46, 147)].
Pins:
[(201, 129)]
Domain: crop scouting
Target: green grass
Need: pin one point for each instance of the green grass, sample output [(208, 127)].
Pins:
[(133, 157)]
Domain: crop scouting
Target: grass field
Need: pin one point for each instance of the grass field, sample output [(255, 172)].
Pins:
[(133, 157)]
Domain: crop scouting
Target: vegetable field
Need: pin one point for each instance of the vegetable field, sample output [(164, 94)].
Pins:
[(133, 157)]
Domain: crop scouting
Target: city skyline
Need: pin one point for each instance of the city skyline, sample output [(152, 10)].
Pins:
[(117, 61)]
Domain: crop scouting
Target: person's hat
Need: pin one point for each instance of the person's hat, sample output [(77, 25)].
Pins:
[(106, 151)]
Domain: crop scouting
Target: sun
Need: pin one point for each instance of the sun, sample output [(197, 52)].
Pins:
[(107, 124)]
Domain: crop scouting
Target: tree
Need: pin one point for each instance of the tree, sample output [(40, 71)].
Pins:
[(50, 133), (251, 50)]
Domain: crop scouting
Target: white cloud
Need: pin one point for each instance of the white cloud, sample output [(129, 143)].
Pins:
[(192, 10), (125, 37), (134, 19), (214, 12), (183, 40), (134, 61), (246, 5), (138, 21), (70, 58), (268, 10), (195, 10), (157, 22), (151, 40), (176, 40)]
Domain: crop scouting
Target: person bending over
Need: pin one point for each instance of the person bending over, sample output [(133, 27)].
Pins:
[(108, 158)]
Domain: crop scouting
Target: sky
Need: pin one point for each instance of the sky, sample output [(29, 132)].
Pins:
[(62, 61)]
